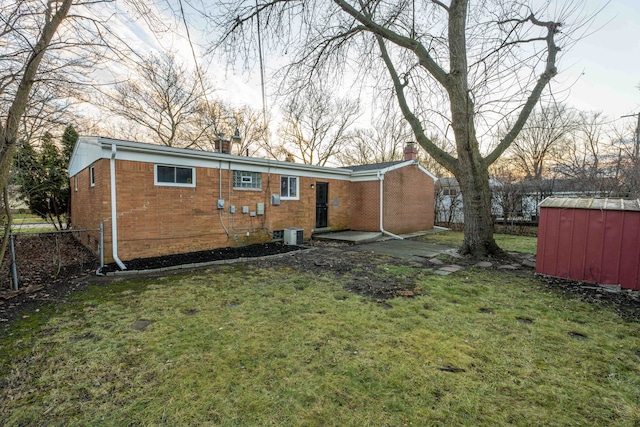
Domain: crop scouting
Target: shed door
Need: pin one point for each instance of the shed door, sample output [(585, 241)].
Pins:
[(322, 204)]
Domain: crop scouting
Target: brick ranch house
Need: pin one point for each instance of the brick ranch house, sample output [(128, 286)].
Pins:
[(156, 200)]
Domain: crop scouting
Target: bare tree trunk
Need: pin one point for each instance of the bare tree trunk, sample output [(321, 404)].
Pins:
[(478, 223), (8, 224), (9, 129)]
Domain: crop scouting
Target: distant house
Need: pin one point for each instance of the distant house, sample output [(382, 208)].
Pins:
[(16, 202), (509, 200), (156, 200)]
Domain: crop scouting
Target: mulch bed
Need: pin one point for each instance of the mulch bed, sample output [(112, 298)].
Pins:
[(250, 251)]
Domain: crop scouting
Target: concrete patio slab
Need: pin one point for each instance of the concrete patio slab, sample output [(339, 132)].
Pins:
[(405, 249), (357, 237)]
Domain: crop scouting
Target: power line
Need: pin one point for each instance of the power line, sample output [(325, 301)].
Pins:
[(193, 54), (261, 60)]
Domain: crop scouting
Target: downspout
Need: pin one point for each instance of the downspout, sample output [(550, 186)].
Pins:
[(220, 195), (114, 211), (388, 233)]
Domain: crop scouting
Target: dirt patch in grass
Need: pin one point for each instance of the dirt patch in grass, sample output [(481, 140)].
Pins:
[(365, 273), (625, 302)]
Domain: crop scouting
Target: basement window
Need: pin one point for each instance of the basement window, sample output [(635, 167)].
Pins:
[(289, 187), (243, 180), (175, 176)]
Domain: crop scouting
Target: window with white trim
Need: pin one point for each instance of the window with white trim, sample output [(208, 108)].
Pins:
[(244, 180), (289, 186), (176, 176), (92, 176)]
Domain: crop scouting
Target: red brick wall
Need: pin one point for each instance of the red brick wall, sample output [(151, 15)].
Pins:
[(408, 200), (365, 206), (91, 205), (160, 220), (302, 213)]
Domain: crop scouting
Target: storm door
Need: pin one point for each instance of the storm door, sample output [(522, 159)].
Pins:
[(322, 204)]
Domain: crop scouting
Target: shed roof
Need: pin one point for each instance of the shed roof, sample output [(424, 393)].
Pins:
[(609, 204)]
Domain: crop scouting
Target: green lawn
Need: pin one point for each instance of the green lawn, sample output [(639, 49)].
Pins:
[(508, 242), (25, 223), (19, 219), (248, 346)]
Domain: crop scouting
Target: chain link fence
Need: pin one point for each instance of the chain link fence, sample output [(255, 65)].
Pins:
[(38, 258)]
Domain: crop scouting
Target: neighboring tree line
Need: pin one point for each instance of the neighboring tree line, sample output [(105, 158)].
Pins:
[(560, 151), (40, 174)]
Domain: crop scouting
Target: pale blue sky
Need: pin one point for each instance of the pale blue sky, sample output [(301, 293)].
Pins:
[(602, 70), (606, 64)]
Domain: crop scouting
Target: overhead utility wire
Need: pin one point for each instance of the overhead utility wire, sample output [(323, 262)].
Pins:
[(193, 54), (264, 97)]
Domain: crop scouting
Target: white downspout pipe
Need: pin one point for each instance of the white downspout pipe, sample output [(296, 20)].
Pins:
[(388, 233), (114, 211)]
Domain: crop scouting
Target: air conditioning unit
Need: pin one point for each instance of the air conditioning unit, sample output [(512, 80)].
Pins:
[(293, 236)]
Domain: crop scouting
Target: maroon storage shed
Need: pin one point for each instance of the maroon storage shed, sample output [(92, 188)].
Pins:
[(591, 240)]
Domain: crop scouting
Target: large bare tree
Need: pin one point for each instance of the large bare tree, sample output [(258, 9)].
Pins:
[(22, 52), (316, 125), (167, 101), (51, 44), (591, 160), (383, 141), (544, 140), (462, 65)]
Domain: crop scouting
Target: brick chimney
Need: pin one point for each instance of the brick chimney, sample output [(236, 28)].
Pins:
[(411, 152)]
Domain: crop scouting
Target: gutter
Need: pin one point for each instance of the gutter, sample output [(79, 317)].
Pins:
[(114, 211), (388, 233)]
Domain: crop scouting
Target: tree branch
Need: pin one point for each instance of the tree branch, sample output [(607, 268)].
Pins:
[(416, 47), (549, 72), (444, 158)]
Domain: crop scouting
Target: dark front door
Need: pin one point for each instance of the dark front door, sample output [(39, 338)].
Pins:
[(322, 204)]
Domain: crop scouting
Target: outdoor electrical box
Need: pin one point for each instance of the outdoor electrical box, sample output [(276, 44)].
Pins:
[(260, 209), (275, 199), (232, 209), (252, 213), (220, 203), (245, 209), (293, 236)]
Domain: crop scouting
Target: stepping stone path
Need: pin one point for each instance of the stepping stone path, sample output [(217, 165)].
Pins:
[(443, 269), (452, 268), (484, 264)]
